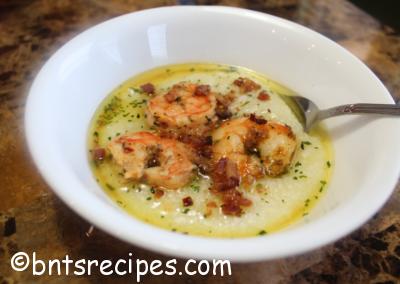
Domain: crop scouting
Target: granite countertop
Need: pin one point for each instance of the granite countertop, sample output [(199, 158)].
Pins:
[(33, 219)]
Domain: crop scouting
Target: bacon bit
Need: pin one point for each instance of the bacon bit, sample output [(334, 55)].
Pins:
[(209, 208), (206, 152), (225, 175), (202, 90), (248, 180), (250, 145), (99, 154), (254, 136), (263, 96), (246, 85), (126, 149), (148, 88), (208, 140), (222, 111), (226, 99), (187, 201), (153, 162), (223, 102), (158, 123), (233, 201), (258, 120), (195, 141), (171, 96), (231, 209), (208, 213), (153, 156), (245, 202), (201, 144), (226, 180), (203, 163), (158, 193)]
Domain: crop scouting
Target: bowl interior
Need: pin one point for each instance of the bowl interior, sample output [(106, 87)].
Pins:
[(74, 81)]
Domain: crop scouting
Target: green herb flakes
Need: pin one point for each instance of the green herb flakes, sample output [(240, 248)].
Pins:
[(303, 143), (110, 187), (138, 103), (262, 232), (110, 111)]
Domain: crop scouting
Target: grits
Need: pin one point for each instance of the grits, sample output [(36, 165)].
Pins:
[(277, 201)]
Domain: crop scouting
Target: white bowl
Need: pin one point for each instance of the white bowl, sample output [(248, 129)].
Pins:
[(77, 77)]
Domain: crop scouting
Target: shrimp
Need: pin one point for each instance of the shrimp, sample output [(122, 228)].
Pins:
[(160, 162), (256, 146), (187, 107), (229, 142), (277, 148)]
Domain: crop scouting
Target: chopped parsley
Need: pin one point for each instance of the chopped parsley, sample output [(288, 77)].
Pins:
[(230, 69), (110, 187), (245, 103), (195, 187), (136, 90), (110, 111), (323, 183), (137, 103), (262, 232), (303, 143)]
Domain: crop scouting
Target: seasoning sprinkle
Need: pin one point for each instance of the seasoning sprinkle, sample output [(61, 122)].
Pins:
[(262, 232)]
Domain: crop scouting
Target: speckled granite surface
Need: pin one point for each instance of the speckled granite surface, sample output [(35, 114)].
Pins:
[(33, 219)]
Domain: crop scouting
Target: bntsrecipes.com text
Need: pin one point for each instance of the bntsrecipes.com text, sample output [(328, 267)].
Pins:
[(138, 268)]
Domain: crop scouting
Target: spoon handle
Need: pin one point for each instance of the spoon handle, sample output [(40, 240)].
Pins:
[(360, 108)]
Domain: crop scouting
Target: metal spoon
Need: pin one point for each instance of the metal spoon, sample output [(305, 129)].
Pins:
[(309, 114)]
